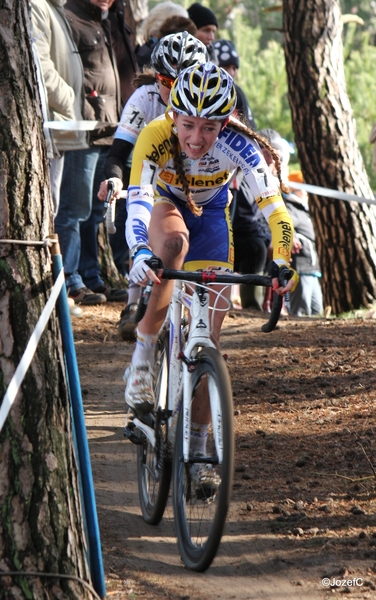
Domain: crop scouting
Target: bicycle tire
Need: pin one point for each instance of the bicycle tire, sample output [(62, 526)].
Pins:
[(200, 515), (154, 464)]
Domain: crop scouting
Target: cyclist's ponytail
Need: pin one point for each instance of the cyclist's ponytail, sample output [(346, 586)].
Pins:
[(147, 77), (178, 166), (263, 142)]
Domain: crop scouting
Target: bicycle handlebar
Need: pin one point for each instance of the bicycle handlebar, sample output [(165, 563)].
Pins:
[(214, 277), (206, 277)]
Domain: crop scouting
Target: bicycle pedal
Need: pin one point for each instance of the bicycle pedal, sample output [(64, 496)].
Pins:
[(129, 433), (148, 419)]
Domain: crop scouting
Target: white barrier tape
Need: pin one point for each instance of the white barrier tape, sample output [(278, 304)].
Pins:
[(77, 125), (321, 191), (110, 217), (27, 357), (46, 242), (312, 189)]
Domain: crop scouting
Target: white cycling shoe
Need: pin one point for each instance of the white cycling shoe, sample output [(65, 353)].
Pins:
[(139, 393), (205, 478)]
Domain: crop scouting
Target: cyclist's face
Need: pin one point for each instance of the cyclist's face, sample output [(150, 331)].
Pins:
[(196, 135)]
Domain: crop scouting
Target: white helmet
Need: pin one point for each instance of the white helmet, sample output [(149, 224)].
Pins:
[(177, 51)]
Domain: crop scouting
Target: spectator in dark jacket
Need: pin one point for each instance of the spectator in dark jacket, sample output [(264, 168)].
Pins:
[(93, 25), (307, 298)]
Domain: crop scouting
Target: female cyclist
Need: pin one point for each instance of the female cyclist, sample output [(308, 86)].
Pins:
[(178, 202), (172, 54)]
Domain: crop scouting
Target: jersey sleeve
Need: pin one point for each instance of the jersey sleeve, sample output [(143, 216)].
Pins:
[(244, 152), (271, 204), (151, 151)]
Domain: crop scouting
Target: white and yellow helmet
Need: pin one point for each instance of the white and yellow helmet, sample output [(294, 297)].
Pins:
[(205, 91)]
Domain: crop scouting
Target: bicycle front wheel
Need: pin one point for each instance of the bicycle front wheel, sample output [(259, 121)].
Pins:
[(154, 461), (202, 486)]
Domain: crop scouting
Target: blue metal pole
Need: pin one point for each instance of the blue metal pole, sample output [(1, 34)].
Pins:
[(96, 561)]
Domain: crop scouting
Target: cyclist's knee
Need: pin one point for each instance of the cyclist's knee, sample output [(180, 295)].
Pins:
[(175, 247)]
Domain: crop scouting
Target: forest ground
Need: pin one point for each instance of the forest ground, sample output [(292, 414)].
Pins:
[(303, 505)]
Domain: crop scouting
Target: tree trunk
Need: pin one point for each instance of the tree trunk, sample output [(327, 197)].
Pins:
[(109, 272), (41, 521), (325, 135)]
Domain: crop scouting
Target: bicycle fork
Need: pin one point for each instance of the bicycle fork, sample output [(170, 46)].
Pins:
[(199, 337)]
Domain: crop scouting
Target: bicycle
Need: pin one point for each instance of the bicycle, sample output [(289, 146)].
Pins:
[(188, 365)]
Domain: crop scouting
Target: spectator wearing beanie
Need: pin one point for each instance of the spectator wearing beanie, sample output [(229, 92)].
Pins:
[(228, 58), (207, 25)]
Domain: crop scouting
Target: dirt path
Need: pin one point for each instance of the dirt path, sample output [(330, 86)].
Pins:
[(303, 504)]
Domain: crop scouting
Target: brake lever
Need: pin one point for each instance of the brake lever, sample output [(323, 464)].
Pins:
[(155, 263), (146, 292), (110, 192), (284, 276)]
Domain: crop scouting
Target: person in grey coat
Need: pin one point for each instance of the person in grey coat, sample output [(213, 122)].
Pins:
[(63, 79)]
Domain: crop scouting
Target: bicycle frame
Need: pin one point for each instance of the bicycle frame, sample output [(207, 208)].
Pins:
[(181, 364), (181, 360)]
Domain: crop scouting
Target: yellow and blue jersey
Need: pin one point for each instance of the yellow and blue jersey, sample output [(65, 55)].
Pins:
[(154, 179)]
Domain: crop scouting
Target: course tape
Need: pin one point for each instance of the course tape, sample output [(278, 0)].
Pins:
[(77, 125), (27, 357), (321, 191), (312, 189)]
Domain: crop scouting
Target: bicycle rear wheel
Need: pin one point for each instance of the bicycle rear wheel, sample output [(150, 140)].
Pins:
[(200, 508), (154, 462)]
